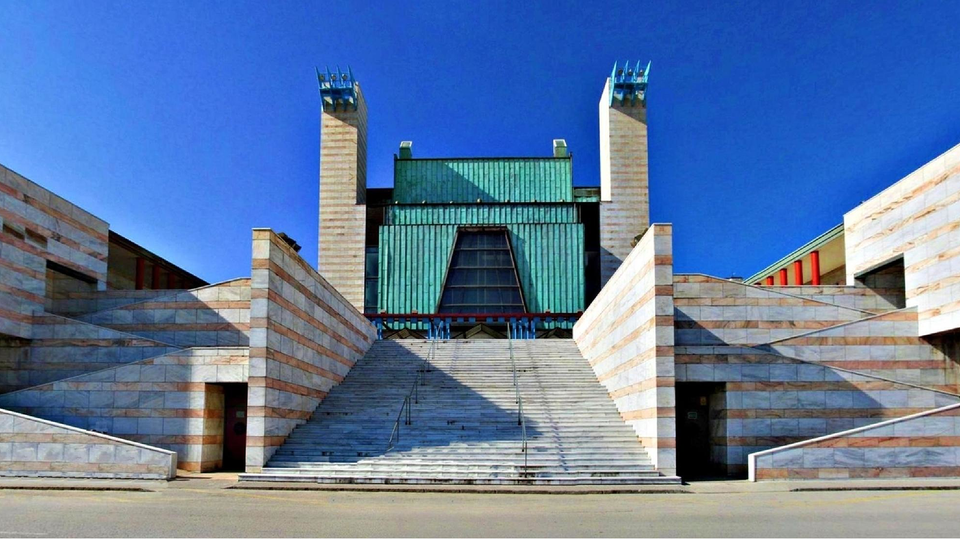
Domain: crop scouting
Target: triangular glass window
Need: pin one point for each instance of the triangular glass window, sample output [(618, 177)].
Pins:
[(482, 277)]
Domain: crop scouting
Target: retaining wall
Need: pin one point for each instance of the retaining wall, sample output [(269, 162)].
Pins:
[(627, 336), (921, 445), (34, 447)]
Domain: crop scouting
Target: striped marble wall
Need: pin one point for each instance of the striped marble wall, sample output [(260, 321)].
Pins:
[(34, 447), (64, 347), (627, 336), (918, 218), (39, 226), (169, 401), (304, 338), (768, 400), (885, 345), (875, 299), (923, 445), (714, 311), (78, 303), (788, 366), (216, 315)]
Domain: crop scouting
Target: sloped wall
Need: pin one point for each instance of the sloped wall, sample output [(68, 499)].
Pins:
[(216, 315), (921, 445), (64, 347), (160, 401), (627, 336), (34, 447), (875, 298), (886, 345), (79, 303), (304, 338), (713, 311)]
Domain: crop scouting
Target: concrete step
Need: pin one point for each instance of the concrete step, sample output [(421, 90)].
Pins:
[(464, 427), (518, 479)]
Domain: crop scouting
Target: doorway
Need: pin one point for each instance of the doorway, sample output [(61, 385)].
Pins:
[(699, 410), (234, 427)]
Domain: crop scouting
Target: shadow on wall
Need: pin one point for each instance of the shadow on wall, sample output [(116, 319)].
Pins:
[(356, 419), (948, 345), (888, 282), (213, 316), (64, 347)]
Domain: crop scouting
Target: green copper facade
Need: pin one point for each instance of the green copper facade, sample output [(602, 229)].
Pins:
[(497, 180), (479, 214), (435, 201)]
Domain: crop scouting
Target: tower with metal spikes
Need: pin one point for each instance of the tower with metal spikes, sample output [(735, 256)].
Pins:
[(343, 183), (624, 179)]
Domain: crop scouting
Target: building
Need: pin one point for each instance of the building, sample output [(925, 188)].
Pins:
[(411, 242), (598, 363)]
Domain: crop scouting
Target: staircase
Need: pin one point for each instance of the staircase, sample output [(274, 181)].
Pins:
[(464, 423)]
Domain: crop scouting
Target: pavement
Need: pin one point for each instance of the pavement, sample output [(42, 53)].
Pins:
[(208, 506)]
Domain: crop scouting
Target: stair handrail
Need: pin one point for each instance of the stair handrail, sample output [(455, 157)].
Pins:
[(413, 395), (521, 421)]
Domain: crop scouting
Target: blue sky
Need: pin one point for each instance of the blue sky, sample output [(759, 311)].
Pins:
[(186, 124)]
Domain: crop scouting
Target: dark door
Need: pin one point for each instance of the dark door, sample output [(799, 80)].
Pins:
[(693, 429), (234, 427)]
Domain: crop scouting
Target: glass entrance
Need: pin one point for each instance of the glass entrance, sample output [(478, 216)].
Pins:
[(482, 276)]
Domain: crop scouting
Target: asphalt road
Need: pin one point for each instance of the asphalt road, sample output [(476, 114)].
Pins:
[(184, 511)]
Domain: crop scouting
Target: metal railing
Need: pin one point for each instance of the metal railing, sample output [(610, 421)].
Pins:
[(413, 396), (521, 421), (437, 326)]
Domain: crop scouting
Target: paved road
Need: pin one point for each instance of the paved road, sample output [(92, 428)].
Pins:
[(185, 511)]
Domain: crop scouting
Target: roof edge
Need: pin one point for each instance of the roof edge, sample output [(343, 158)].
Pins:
[(798, 253)]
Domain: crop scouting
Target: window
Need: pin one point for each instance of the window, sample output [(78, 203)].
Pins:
[(371, 274), (482, 277)]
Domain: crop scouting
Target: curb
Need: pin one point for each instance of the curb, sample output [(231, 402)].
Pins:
[(877, 488), (78, 488), (458, 489)]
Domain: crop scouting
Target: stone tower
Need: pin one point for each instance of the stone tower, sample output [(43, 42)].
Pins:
[(624, 191), (343, 184)]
